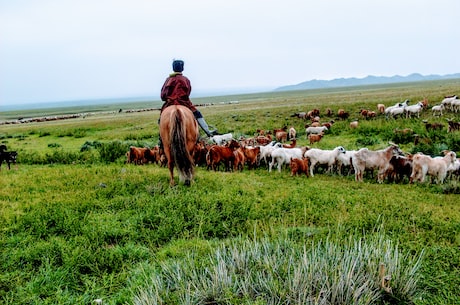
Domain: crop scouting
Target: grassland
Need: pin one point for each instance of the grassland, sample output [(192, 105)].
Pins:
[(78, 224)]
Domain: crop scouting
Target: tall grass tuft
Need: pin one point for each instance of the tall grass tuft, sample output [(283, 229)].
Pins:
[(285, 272)]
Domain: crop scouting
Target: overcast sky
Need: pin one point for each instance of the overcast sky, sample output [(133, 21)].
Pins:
[(59, 50)]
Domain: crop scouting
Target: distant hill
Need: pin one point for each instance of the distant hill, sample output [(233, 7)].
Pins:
[(368, 80)]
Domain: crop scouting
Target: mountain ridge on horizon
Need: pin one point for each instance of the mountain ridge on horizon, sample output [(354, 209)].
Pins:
[(368, 80)]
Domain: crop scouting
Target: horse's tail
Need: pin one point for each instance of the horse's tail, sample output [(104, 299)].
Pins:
[(181, 156)]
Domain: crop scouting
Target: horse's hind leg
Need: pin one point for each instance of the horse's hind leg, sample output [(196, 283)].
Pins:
[(171, 174)]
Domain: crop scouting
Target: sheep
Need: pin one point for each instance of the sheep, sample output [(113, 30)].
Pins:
[(437, 167), (354, 124), (315, 130), (381, 108), (319, 156)]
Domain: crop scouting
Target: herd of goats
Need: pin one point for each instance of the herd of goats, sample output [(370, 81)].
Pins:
[(270, 149)]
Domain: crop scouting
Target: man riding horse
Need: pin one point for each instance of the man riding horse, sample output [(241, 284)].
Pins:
[(176, 91)]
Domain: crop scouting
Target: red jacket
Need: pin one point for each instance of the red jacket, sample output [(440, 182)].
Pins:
[(176, 91)]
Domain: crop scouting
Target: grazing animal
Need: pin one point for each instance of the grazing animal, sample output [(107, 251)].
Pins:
[(342, 114), (222, 154), (282, 156), (447, 101), (354, 124), (399, 168), (381, 108), (453, 126), (263, 140), (238, 163), (328, 124), (292, 145), (137, 155), (345, 161), (292, 133), (315, 130), (313, 138), (437, 109), (455, 105), (395, 110), (432, 126), (179, 133), (251, 155), (9, 157), (413, 110), (453, 171), (319, 156), (152, 155), (300, 115), (281, 136), (367, 159), (299, 166), (423, 165), (266, 151), (221, 139)]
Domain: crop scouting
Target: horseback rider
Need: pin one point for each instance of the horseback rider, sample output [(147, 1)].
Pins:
[(176, 91)]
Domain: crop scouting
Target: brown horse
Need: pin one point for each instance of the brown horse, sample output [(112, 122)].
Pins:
[(179, 133)]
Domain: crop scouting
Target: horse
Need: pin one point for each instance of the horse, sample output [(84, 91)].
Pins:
[(179, 133)]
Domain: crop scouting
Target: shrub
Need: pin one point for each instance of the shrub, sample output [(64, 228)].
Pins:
[(358, 271), (111, 151)]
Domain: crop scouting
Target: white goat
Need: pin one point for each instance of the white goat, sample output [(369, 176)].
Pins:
[(437, 109), (345, 160), (221, 139), (315, 130), (266, 150), (423, 165), (281, 156), (396, 109), (454, 169), (319, 156), (292, 133), (413, 109), (447, 102), (379, 159)]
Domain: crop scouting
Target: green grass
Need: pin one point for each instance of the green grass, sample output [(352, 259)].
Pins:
[(78, 224)]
